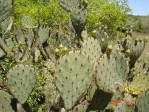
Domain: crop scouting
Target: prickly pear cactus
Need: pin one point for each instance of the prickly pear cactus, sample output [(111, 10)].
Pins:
[(91, 48), (68, 5), (20, 38), (102, 36), (73, 76), (110, 71), (79, 19), (142, 102), (30, 38), (6, 26), (21, 81), (43, 33), (136, 52), (27, 22), (5, 102), (124, 108), (2, 53), (139, 84), (5, 9)]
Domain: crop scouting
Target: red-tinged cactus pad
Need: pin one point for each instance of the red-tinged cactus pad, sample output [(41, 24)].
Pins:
[(110, 71), (5, 102), (21, 81), (73, 76), (142, 102)]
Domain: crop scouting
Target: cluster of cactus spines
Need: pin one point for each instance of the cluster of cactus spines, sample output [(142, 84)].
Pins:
[(111, 70), (139, 84), (5, 9), (5, 102), (43, 33), (73, 70), (27, 22), (91, 47), (21, 81), (142, 102)]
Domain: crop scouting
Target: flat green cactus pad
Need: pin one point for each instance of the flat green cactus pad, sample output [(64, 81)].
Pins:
[(21, 81), (27, 22), (111, 71), (2, 53), (5, 9), (91, 47), (68, 5), (73, 76), (139, 84), (5, 102), (142, 103), (43, 33)]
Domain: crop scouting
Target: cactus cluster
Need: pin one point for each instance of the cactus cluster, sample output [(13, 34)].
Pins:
[(92, 74)]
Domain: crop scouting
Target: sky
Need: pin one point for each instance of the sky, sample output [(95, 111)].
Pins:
[(139, 7)]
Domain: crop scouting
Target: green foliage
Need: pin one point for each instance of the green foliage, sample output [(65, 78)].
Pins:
[(111, 13), (50, 12), (36, 98)]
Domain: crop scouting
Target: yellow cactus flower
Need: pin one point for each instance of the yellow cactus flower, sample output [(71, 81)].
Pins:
[(56, 50), (65, 49), (61, 46), (131, 91)]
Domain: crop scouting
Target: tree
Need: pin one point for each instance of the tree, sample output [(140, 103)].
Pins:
[(111, 13)]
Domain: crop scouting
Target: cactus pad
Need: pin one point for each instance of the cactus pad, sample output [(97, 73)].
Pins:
[(68, 4), (2, 53), (142, 102), (21, 81), (79, 19), (110, 71), (27, 22), (91, 48), (19, 35), (5, 9), (43, 33), (73, 76), (5, 102), (140, 83)]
